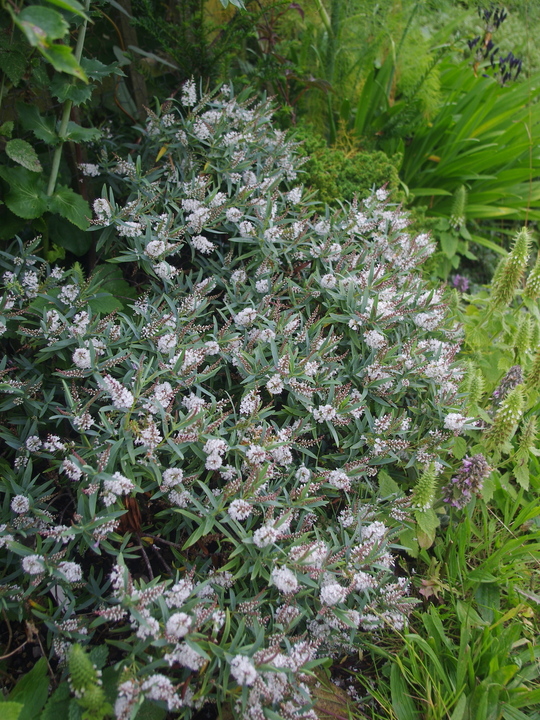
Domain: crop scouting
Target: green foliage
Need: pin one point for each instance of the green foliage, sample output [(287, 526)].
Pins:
[(341, 174), (276, 362), (42, 27), (30, 693), (30, 192), (480, 140)]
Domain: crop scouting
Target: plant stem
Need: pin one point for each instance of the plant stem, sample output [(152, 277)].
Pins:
[(66, 112), (324, 16)]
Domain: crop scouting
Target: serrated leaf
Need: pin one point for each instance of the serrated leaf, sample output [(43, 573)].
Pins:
[(521, 473), (62, 59), (42, 127), (57, 705), (26, 196), (23, 153), (98, 655), (388, 486), (66, 89), (74, 711), (111, 281), (11, 710), (13, 62), (409, 541), (41, 25), (77, 133), (70, 205), (68, 236), (97, 70), (427, 521), (32, 690), (449, 243), (6, 129), (459, 448)]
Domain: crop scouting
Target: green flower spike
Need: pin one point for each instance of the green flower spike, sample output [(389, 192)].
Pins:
[(81, 669), (510, 271), (473, 385), (522, 337), (459, 205), (533, 376), (423, 492), (527, 441), (507, 418), (532, 288), (535, 333)]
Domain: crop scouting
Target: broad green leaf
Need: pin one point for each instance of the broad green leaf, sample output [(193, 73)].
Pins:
[(449, 243), (459, 709), (459, 448), (98, 655), (427, 521), (70, 205), (62, 59), (468, 616), (409, 541), (387, 486), (42, 127), (23, 153), (111, 281), (68, 236), (71, 6), (150, 711), (66, 89), (57, 705), (6, 129), (78, 134), (32, 690), (26, 196), (13, 62), (41, 25), (521, 473), (10, 710)]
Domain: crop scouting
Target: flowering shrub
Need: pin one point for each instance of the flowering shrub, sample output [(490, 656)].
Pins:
[(218, 473)]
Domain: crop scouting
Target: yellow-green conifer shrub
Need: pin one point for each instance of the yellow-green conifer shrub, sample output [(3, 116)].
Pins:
[(510, 271), (507, 418)]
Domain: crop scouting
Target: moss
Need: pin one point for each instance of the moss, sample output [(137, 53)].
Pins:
[(337, 174)]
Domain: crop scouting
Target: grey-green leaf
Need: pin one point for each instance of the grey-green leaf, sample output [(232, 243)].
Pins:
[(23, 153)]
